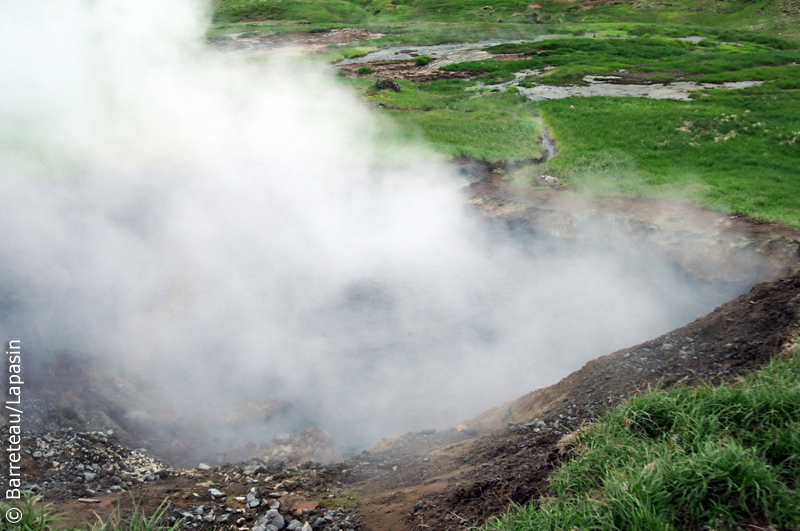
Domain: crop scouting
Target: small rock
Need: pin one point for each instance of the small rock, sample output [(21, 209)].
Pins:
[(548, 180), (203, 466), (271, 518), (387, 83), (216, 493)]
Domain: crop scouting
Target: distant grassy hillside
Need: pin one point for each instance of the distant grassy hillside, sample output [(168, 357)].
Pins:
[(771, 16)]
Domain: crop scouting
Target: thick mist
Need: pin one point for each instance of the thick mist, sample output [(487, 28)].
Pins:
[(237, 231)]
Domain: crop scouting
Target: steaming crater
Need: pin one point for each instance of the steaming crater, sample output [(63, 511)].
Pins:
[(380, 356), (186, 237)]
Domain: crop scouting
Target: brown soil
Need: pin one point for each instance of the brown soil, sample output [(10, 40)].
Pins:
[(706, 243), (405, 69), (294, 43)]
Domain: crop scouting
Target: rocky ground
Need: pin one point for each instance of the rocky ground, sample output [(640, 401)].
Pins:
[(81, 456), (252, 44)]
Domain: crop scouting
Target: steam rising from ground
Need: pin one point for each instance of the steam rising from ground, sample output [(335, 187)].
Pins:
[(239, 231)]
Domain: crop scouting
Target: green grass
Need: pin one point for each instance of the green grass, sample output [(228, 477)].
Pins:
[(649, 55), (689, 458), (677, 17), (310, 11), (737, 151), (444, 114), (37, 516), (34, 516)]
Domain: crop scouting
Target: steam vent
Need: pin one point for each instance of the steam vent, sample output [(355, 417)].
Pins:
[(406, 265)]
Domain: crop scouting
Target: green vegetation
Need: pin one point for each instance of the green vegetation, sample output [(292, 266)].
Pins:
[(577, 57), (690, 458), (423, 60), (309, 11), (364, 70), (37, 516), (32, 517), (767, 18), (493, 127), (736, 151)]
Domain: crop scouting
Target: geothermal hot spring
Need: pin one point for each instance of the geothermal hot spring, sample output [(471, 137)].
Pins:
[(228, 232)]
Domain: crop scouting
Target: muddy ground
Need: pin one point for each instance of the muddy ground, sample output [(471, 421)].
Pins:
[(456, 478), (252, 44)]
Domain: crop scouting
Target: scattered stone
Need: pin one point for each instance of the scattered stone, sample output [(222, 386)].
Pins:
[(216, 493), (387, 83), (88, 500), (549, 181)]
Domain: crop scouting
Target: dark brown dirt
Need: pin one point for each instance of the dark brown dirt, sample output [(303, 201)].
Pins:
[(305, 43), (403, 69)]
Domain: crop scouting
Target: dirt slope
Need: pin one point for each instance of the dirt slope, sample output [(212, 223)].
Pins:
[(512, 464)]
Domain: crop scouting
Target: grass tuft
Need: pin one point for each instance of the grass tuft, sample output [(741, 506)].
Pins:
[(37, 516)]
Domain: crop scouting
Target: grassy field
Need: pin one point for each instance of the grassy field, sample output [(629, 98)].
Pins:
[(733, 150), (690, 458), (665, 59), (737, 151), (445, 115), (770, 16)]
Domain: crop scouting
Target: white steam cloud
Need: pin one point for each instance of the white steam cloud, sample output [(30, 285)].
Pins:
[(240, 231)]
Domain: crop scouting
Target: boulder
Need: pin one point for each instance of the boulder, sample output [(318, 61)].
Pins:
[(387, 83)]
